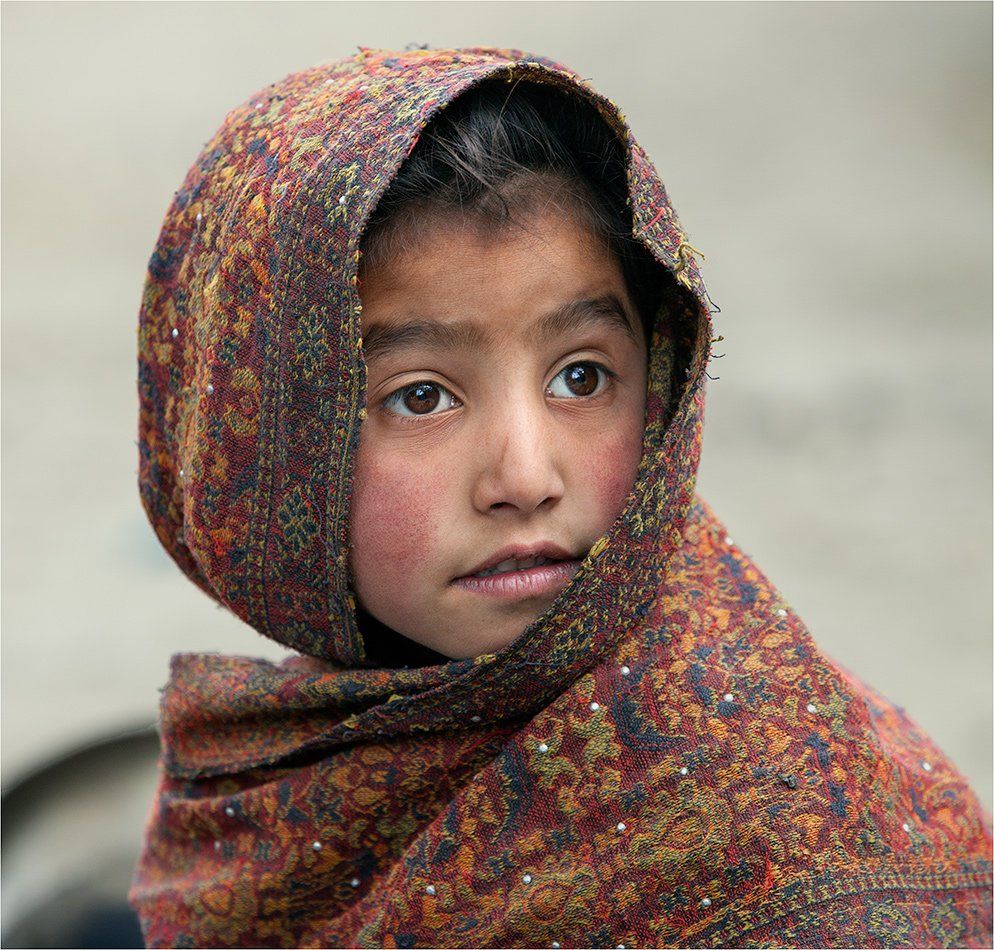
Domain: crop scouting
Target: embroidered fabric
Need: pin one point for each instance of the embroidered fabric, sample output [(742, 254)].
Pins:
[(663, 758)]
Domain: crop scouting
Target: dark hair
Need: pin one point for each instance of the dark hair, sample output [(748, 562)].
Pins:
[(499, 148)]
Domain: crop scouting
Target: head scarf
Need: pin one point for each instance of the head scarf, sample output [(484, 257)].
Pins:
[(663, 758)]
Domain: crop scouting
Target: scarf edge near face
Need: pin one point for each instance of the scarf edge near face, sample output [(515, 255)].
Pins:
[(625, 567)]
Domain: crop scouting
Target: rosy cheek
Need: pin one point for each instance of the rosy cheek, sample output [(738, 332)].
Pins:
[(395, 518), (613, 466)]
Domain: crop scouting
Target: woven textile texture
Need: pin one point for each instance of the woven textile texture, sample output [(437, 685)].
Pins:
[(664, 758)]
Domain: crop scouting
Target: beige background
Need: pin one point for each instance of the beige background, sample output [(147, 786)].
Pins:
[(833, 163)]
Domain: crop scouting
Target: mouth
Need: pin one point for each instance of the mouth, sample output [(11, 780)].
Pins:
[(522, 571), (516, 564), (521, 557)]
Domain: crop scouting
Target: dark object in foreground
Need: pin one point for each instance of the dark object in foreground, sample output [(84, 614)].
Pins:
[(71, 830)]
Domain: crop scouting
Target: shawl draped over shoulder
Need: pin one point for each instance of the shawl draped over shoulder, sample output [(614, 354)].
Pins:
[(663, 758)]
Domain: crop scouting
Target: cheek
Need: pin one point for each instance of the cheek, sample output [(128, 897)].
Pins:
[(613, 465), (396, 509)]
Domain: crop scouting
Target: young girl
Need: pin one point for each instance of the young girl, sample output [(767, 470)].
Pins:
[(422, 362)]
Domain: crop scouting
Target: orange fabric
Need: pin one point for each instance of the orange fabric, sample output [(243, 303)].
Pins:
[(663, 758)]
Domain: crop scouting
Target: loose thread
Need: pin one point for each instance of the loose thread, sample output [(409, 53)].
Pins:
[(714, 307), (684, 252)]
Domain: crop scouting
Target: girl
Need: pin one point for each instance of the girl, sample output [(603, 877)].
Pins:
[(422, 362)]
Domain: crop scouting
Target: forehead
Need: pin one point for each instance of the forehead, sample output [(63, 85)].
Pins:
[(607, 313), (457, 271)]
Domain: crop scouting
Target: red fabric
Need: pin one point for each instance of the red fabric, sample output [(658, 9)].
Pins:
[(663, 758)]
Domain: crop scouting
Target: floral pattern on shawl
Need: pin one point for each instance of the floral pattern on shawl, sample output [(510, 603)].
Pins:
[(664, 758)]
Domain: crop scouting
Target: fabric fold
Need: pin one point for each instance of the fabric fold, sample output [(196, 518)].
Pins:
[(663, 758)]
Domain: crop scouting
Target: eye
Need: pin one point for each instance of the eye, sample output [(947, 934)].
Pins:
[(420, 399), (578, 380)]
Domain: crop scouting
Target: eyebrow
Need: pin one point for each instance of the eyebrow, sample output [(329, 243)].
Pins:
[(428, 334)]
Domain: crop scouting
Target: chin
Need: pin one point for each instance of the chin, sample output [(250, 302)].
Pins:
[(472, 639), (497, 643), (463, 649)]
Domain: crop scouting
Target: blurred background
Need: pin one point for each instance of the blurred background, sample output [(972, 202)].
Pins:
[(831, 160)]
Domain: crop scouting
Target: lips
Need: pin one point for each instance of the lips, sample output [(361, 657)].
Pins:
[(521, 572), (519, 557), (515, 564)]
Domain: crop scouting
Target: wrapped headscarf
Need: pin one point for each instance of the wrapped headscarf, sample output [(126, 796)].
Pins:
[(662, 758)]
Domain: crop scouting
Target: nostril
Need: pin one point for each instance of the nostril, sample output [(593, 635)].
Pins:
[(544, 503)]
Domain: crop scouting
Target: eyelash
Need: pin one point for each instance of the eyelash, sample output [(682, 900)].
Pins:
[(395, 400)]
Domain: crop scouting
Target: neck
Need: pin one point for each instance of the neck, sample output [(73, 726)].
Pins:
[(387, 648)]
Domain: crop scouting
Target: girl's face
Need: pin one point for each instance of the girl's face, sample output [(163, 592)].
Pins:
[(505, 401)]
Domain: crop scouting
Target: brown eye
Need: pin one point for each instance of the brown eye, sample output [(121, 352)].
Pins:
[(420, 399), (577, 380)]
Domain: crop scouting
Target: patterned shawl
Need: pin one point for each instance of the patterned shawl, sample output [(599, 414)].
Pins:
[(663, 758)]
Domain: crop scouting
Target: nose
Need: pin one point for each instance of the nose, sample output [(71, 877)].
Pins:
[(518, 465)]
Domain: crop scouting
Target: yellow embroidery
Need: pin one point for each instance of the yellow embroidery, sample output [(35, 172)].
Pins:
[(684, 252), (599, 545)]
